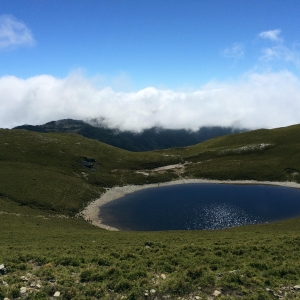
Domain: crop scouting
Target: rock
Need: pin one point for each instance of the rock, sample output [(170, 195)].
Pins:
[(56, 294), (217, 293), (153, 291), (23, 290), (3, 269), (147, 247), (297, 287), (197, 297), (38, 286), (24, 278), (6, 299), (4, 283), (146, 294), (163, 276)]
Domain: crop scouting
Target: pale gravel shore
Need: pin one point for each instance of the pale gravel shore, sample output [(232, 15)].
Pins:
[(92, 210)]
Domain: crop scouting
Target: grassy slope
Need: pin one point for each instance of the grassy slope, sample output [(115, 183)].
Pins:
[(48, 171), (41, 174), (278, 162), (84, 262)]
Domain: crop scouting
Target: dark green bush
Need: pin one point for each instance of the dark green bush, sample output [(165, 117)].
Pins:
[(86, 275), (195, 273)]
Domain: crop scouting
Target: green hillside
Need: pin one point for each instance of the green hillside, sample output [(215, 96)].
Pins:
[(62, 172), (45, 179)]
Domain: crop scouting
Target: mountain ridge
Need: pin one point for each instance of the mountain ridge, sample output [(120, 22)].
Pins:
[(155, 138)]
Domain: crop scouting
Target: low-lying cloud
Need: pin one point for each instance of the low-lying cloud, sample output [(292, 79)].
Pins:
[(254, 101)]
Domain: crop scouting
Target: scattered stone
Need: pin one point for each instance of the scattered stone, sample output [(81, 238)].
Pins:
[(24, 278), (6, 299), (3, 270), (217, 293), (153, 291), (297, 287), (38, 286), (56, 294), (4, 283), (269, 290), (197, 297), (23, 290), (146, 294), (147, 247), (163, 276)]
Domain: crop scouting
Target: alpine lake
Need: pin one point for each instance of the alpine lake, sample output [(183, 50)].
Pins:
[(201, 206)]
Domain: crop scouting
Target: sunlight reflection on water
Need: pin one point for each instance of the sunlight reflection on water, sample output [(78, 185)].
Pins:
[(219, 216)]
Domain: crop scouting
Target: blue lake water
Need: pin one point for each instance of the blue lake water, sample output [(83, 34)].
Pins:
[(201, 206)]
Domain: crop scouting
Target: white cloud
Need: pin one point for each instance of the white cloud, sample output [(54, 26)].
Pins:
[(272, 35), (281, 52), (256, 100), (236, 51), (14, 33)]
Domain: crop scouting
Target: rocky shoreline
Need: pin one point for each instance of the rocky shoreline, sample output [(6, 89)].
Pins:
[(92, 210)]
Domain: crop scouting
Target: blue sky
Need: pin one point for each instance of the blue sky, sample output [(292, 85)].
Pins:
[(196, 59)]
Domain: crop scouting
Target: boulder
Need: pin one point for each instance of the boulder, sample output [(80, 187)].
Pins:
[(297, 287), (3, 270), (217, 293), (56, 294)]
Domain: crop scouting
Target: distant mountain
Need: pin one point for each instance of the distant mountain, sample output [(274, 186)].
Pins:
[(150, 139)]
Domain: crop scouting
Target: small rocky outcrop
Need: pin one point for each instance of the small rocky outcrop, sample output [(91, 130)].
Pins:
[(88, 162)]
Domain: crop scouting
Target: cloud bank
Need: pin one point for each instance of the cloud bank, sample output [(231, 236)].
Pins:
[(14, 33), (254, 101)]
